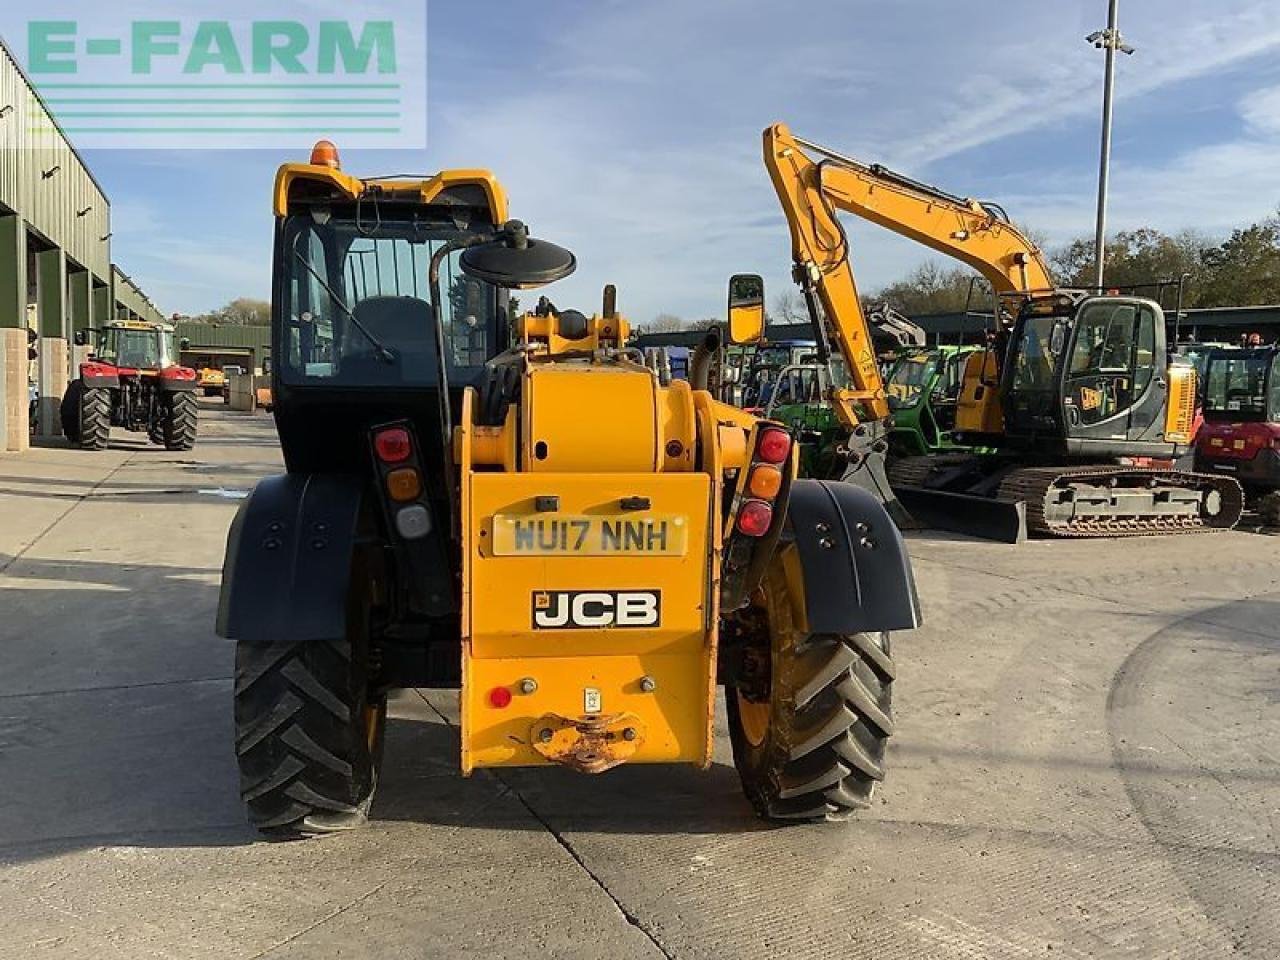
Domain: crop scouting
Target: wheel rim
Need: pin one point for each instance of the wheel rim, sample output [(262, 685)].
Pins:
[(754, 718)]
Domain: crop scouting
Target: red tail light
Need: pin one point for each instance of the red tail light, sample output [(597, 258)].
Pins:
[(755, 518), (393, 445), (774, 445)]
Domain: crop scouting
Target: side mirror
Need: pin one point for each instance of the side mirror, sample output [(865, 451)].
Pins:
[(80, 338), (746, 308), (184, 343), (516, 261), (1058, 338)]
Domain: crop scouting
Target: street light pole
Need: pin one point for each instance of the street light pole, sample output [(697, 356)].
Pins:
[(1111, 41)]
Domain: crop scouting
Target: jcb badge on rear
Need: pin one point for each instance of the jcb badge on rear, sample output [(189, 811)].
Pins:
[(596, 609)]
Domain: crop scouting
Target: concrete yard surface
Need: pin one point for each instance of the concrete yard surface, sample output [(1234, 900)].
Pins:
[(1087, 764)]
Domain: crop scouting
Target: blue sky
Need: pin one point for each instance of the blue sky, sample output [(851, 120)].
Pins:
[(630, 132)]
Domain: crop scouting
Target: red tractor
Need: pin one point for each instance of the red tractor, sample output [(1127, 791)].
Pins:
[(1241, 432), (132, 381)]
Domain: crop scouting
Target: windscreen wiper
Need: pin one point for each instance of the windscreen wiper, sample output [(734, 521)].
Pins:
[(383, 353)]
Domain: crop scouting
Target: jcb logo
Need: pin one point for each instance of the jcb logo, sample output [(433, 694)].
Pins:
[(596, 609)]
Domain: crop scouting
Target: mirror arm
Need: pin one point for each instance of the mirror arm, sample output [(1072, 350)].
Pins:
[(445, 406)]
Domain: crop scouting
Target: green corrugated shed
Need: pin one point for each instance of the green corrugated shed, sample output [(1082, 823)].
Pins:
[(236, 335)]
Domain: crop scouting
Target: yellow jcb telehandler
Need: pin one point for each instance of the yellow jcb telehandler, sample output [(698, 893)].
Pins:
[(516, 507)]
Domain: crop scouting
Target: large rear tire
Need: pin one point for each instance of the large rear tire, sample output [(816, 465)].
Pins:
[(309, 732), (809, 741), (179, 412), (69, 411), (95, 417)]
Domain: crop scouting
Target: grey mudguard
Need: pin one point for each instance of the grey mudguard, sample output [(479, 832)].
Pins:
[(857, 574), (288, 559)]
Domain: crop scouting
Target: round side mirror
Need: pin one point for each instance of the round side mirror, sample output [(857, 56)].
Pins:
[(516, 261)]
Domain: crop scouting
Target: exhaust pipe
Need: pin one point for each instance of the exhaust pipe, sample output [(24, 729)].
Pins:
[(700, 363)]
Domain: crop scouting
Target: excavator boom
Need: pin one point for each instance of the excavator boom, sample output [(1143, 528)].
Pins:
[(811, 192)]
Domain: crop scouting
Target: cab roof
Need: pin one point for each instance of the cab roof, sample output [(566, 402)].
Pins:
[(317, 183)]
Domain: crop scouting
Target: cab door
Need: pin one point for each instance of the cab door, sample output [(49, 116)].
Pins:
[(1114, 385)]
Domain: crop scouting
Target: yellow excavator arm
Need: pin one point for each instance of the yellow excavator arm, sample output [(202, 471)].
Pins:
[(812, 191)]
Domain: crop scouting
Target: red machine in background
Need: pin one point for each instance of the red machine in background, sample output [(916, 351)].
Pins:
[(131, 380), (1241, 431)]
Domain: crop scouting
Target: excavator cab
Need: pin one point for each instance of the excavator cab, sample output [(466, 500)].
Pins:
[(1088, 375)]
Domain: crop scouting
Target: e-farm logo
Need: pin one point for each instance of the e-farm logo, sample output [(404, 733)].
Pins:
[(274, 45), (249, 74)]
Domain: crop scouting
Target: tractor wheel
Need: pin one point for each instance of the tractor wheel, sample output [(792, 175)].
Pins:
[(1269, 509), (69, 411), (95, 417), (178, 414), (809, 738), (309, 733)]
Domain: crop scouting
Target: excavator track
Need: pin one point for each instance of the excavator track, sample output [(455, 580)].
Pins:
[(914, 471), (1090, 501)]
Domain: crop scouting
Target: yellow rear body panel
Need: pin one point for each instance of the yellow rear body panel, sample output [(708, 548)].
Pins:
[(532, 615)]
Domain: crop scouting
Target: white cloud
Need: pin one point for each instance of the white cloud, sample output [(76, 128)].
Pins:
[(1261, 111)]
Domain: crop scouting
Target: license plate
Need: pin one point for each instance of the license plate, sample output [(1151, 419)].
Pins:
[(522, 535)]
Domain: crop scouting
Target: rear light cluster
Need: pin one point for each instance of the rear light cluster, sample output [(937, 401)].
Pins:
[(401, 478), (764, 481)]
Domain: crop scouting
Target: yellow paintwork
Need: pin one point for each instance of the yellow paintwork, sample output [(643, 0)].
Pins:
[(502, 648), (583, 417), (611, 432), (543, 331), (348, 188), (1180, 413), (978, 408), (746, 322), (212, 377), (810, 193)]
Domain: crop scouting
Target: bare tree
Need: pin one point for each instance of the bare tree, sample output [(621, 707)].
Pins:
[(665, 323), (788, 307)]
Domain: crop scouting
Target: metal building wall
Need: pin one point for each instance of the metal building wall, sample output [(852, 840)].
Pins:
[(256, 338), (128, 295), (43, 179)]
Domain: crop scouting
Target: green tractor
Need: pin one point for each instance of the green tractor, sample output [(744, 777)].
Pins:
[(797, 396), (924, 386)]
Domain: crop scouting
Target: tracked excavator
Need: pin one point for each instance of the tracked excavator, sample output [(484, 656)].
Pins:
[(1074, 397)]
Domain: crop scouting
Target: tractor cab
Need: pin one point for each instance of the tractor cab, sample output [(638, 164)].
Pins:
[(1241, 431), (924, 390), (136, 346)]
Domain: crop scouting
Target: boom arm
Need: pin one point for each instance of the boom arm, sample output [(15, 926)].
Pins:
[(810, 193)]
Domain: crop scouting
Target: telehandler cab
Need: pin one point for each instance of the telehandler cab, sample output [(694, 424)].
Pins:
[(515, 506)]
